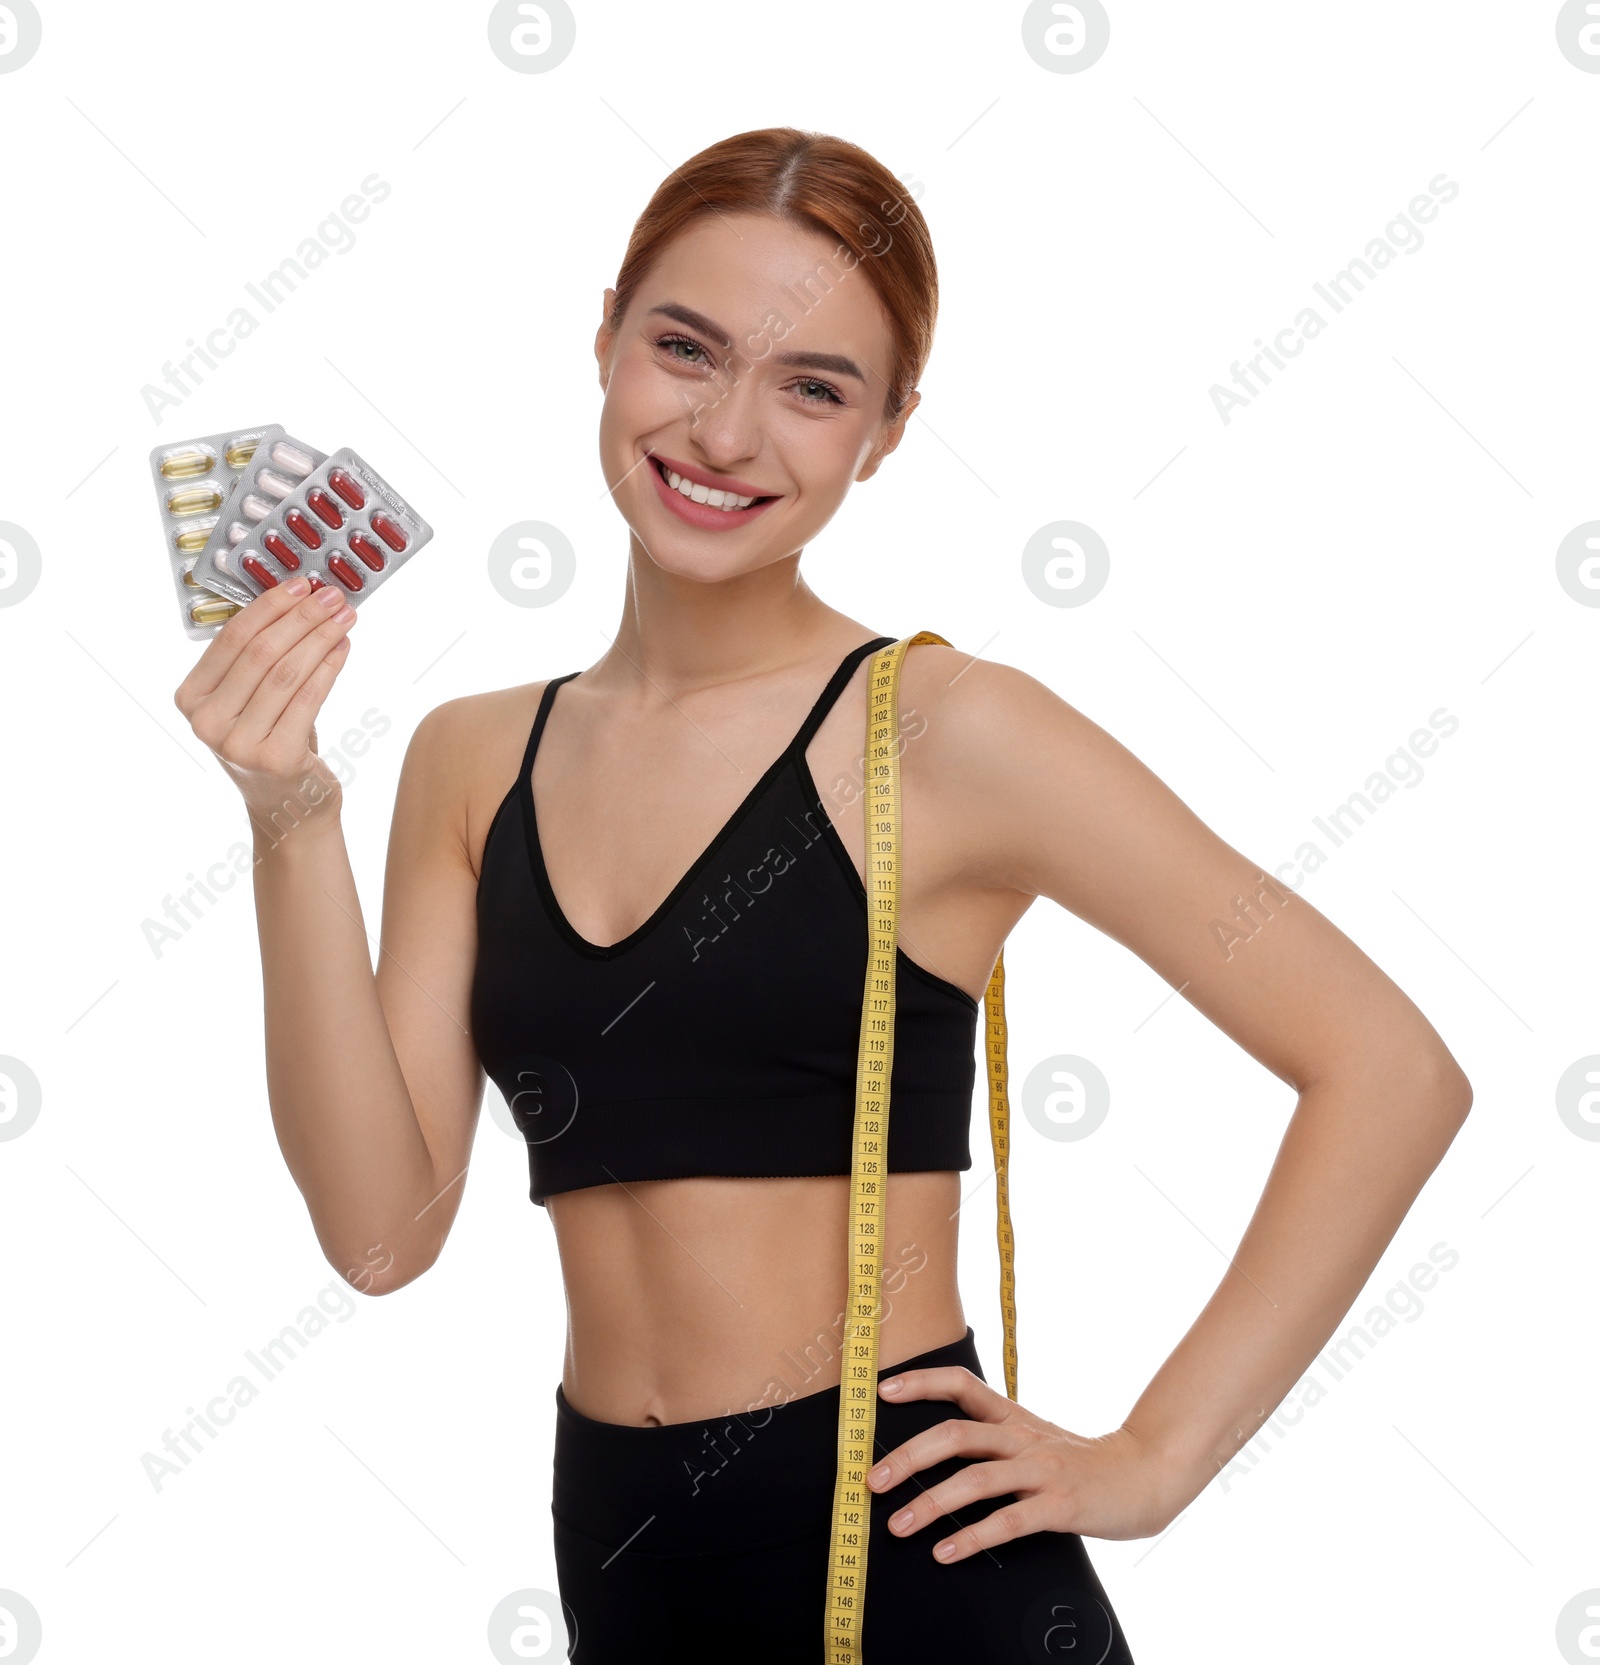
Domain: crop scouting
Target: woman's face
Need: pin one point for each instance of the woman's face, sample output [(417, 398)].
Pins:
[(753, 360)]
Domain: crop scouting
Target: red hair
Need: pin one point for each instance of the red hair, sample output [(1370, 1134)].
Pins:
[(827, 185)]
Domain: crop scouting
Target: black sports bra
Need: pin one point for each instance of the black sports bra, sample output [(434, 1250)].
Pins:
[(721, 1036)]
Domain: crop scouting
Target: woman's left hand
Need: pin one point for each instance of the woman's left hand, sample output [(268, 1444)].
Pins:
[(1109, 1487)]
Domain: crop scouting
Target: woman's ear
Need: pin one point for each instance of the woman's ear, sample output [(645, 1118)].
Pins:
[(604, 338), (889, 438)]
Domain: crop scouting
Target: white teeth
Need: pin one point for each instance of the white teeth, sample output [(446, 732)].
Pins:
[(705, 494)]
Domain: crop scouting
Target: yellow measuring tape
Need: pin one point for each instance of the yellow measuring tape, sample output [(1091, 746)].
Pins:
[(858, 1388)]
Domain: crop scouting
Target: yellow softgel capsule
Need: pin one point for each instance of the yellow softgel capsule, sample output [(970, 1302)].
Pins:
[(240, 452), (192, 539), (184, 465), (197, 500), (213, 610)]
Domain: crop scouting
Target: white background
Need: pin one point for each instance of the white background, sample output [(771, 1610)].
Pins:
[(1291, 594)]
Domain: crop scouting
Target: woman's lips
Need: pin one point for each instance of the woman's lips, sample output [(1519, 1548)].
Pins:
[(703, 515)]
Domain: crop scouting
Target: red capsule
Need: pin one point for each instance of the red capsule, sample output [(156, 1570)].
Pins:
[(315, 582), (303, 529), (347, 488), (344, 572), (362, 545), (282, 550), (324, 507), (258, 570), (388, 531)]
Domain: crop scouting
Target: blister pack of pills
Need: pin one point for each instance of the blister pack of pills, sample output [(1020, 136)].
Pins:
[(271, 475), (194, 479), (334, 520)]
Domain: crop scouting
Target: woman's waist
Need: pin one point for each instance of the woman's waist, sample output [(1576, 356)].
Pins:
[(675, 1372), (693, 1299)]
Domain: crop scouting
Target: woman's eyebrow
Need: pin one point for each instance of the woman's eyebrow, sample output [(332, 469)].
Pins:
[(836, 362), (695, 321)]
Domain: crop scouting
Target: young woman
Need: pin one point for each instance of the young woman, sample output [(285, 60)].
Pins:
[(622, 893)]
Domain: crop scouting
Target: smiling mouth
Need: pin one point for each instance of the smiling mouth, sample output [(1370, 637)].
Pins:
[(728, 502)]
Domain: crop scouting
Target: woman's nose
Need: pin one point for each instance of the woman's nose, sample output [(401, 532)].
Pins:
[(725, 423)]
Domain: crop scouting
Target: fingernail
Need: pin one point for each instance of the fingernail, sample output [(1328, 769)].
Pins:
[(892, 1385), (298, 586), (901, 1521), (878, 1475), (329, 597), (945, 1551)]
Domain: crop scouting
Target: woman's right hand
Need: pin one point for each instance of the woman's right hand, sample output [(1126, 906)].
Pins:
[(254, 694)]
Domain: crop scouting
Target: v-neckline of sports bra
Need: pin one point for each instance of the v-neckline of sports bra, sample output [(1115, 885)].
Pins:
[(799, 741)]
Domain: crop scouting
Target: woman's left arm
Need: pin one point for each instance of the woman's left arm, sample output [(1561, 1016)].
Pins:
[(1380, 1099)]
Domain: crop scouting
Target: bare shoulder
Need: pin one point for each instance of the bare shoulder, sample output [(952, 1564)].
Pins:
[(983, 739), (472, 722), (976, 698), (1042, 800), (462, 761), (1055, 802)]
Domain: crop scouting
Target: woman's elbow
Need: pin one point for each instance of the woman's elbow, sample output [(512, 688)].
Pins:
[(1448, 1088), (382, 1271)]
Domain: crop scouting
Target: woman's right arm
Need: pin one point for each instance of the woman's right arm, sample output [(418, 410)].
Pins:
[(373, 1080)]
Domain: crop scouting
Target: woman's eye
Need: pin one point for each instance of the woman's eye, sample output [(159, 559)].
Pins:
[(811, 391), (672, 342)]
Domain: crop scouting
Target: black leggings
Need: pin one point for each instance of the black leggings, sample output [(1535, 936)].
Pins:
[(711, 1540)]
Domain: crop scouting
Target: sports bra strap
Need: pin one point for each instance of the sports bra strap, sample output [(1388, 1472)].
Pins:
[(834, 688), (539, 721)]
